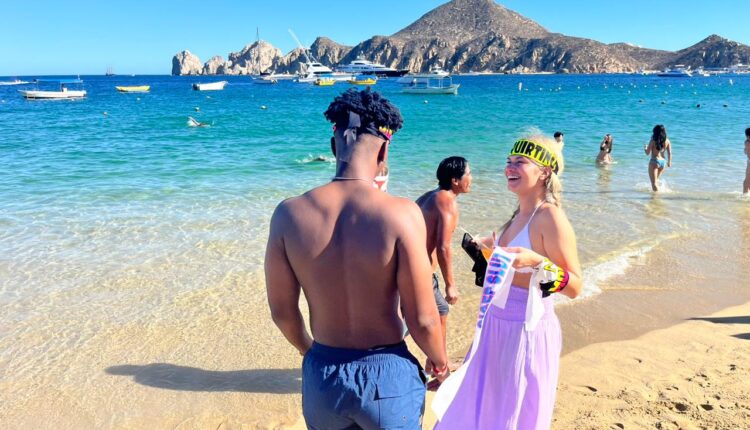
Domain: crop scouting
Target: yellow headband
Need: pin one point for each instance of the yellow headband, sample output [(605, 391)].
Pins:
[(537, 152)]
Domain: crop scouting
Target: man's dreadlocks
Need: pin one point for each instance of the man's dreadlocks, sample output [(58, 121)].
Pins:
[(370, 106)]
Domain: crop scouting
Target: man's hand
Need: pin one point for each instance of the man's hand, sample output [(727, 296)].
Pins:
[(451, 294)]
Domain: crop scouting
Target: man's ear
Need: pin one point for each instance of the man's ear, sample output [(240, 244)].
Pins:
[(383, 152), (333, 146)]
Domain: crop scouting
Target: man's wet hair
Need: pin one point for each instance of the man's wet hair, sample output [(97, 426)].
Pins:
[(449, 169), (747, 132), (558, 134), (369, 105)]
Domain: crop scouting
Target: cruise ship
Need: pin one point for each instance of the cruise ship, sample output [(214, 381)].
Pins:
[(360, 66)]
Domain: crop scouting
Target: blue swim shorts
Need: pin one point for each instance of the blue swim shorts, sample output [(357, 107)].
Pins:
[(378, 388)]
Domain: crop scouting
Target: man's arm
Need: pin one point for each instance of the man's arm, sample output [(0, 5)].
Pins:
[(415, 286), (282, 286), (447, 219)]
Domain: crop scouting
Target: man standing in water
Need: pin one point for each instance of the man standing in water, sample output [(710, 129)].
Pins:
[(440, 210), (354, 250)]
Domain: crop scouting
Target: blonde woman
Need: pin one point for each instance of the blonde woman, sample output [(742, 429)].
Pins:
[(605, 150), (511, 380)]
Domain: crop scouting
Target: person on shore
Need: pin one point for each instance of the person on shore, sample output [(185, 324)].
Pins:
[(440, 210), (605, 150), (511, 379), (354, 251), (559, 137), (746, 184), (656, 148)]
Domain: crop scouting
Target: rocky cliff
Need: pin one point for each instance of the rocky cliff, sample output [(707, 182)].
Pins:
[(185, 63), (477, 35)]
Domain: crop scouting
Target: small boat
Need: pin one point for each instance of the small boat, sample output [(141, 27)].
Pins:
[(324, 82), (363, 80), (265, 80), (678, 71), (435, 72), (210, 86), (431, 85), (62, 93), (134, 89), (14, 82)]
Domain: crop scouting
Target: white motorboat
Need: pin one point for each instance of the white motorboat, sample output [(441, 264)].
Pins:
[(678, 71), (14, 82), (265, 80), (314, 70), (360, 66), (210, 86), (63, 92), (435, 72), (430, 85)]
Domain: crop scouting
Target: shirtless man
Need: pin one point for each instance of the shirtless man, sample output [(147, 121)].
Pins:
[(354, 250), (440, 210)]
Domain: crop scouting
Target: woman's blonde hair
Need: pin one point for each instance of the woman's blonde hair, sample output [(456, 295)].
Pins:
[(553, 193)]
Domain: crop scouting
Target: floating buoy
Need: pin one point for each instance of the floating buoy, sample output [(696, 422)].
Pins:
[(263, 107), (426, 101), (698, 105), (640, 101), (105, 113), (197, 109), (726, 105), (663, 102)]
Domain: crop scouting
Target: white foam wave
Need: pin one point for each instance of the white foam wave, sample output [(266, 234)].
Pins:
[(602, 271)]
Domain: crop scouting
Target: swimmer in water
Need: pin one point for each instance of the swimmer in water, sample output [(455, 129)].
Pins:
[(192, 122), (605, 150)]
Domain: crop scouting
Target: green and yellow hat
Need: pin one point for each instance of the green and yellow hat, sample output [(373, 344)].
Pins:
[(536, 151)]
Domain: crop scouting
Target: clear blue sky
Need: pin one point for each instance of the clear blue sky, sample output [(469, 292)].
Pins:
[(138, 36)]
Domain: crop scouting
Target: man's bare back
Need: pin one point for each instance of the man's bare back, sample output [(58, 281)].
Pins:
[(343, 241)]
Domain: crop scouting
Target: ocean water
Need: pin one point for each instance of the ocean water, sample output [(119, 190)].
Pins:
[(114, 212)]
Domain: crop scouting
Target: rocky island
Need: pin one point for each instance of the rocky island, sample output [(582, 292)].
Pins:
[(473, 35)]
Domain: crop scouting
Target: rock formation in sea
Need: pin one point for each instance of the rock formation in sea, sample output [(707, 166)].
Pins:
[(185, 63), (480, 36)]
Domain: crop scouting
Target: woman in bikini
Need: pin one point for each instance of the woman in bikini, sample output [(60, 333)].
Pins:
[(657, 146), (511, 380), (605, 150), (746, 184)]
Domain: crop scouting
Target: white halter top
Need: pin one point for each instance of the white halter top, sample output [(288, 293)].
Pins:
[(522, 239)]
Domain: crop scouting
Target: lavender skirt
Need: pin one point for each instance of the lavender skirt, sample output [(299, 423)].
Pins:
[(512, 381)]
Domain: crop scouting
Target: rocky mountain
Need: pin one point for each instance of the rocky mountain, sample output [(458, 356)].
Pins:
[(713, 51), (460, 21), (475, 35)]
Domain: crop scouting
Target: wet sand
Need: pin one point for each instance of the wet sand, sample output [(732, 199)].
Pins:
[(219, 363)]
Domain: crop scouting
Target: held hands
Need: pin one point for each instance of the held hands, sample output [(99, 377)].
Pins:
[(439, 375), (451, 294)]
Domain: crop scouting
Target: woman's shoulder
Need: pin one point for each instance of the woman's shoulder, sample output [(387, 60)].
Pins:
[(549, 212)]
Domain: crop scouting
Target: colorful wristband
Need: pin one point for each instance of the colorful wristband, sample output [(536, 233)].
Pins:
[(552, 278)]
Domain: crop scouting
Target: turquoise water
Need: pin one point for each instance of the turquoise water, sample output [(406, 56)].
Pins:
[(128, 237), (119, 182)]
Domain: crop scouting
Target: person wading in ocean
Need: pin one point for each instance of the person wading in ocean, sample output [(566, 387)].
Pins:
[(354, 250)]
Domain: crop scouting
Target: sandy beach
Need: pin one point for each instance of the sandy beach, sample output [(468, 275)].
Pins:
[(689, 376)]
